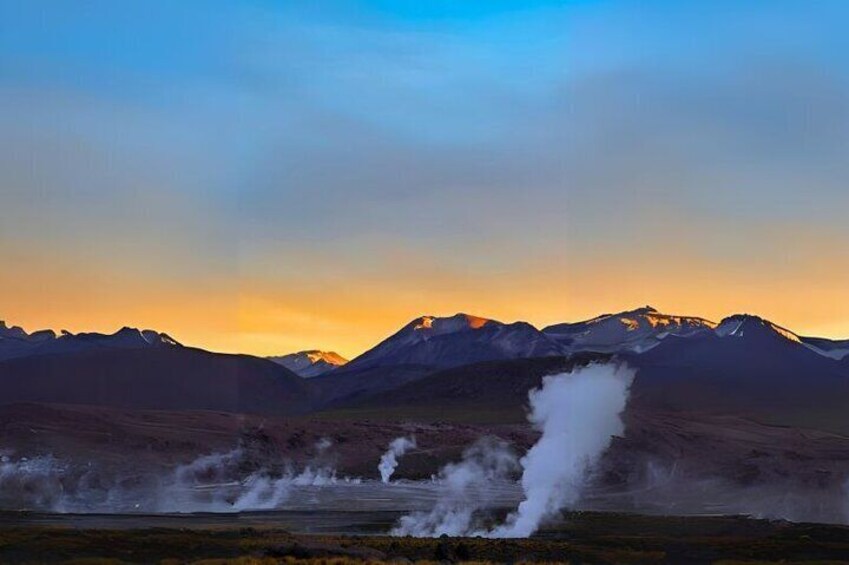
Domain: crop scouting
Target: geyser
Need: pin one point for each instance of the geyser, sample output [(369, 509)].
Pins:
[(389, 460), (578, 413)]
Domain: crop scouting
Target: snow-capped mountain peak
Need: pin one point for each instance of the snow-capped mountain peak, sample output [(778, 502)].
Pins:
[(310, 363), (327, 356), (154, 337), (740, 325), (15, 342), (452, 341), (634, 330)]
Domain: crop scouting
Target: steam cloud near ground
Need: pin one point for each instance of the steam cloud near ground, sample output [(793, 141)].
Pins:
[(216, 482), (578, 413), (466, 489)]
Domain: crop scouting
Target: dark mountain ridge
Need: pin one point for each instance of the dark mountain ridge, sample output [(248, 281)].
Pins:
[(160, 378), (15, 342), (744, 364)]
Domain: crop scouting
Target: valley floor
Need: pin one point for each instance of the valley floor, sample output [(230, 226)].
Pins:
[(266, 538)]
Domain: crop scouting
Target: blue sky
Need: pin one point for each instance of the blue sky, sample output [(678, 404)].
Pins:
[(305, 166)]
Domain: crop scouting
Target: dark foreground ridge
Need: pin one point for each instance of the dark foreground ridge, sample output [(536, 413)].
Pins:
[(268, 538)]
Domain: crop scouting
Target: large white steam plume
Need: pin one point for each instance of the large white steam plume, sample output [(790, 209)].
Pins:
[(389, 460), (578, 413)]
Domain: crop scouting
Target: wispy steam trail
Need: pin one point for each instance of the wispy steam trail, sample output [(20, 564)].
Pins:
[(218, 482), (389, 460), (467, 488)]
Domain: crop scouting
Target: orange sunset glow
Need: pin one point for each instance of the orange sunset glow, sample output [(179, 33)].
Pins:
[(259, 317), (245, 199)]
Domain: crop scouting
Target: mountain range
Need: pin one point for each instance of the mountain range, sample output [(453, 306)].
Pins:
[(463, 339), (15, 342), (140, 369), (742, 363)]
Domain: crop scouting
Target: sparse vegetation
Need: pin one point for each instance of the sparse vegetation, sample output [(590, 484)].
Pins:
[(583, 538)]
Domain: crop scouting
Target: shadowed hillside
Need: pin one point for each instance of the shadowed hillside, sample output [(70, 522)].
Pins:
[(172, 378)]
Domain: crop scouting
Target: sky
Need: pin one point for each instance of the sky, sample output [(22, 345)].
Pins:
[(269, 176)]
